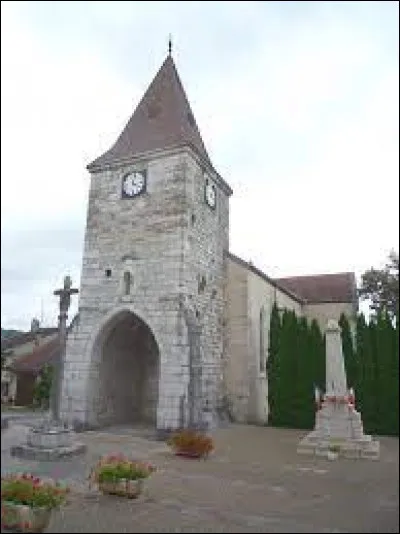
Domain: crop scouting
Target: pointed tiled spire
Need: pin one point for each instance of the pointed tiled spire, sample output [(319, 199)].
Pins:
[(162, 120)]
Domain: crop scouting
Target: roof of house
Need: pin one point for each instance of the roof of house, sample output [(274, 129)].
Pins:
[(35, 360), (41, 354), (26, 337), (316, 288), (261, 274), (162, 120), (322, 288)]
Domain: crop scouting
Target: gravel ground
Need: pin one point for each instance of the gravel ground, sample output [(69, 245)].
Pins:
[(254, 482)]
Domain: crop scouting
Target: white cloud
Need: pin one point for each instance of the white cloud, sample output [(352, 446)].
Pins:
[(297, 103)]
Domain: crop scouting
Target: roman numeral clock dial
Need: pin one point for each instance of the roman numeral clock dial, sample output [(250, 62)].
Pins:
[(134, 184)]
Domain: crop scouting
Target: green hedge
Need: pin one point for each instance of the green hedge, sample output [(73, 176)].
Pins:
[(296, 364), (377, 375)]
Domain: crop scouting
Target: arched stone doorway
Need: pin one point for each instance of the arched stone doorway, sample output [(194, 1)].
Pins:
[(126, 357)]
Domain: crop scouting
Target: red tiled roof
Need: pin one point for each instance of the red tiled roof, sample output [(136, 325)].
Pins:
[(163, 119), (261, 274), (26, 337), (337, 287), (317, 288), (35, 360)]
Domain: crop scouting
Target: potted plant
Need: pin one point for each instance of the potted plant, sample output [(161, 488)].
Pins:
[(27, 502), (116, 474), (191, 444)]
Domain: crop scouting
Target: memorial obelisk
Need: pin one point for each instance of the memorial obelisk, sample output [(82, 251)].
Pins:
[(338, 426)]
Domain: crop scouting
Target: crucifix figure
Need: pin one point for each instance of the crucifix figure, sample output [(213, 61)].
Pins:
[(65, 301)]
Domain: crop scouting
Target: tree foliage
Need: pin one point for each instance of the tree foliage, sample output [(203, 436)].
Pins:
[(304, 402), (296, 365), (381, 287), (41, 394), (273, 364), (377, 390)]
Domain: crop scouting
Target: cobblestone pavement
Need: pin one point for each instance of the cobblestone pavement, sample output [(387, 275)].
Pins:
[(24, 416), (255, 482)]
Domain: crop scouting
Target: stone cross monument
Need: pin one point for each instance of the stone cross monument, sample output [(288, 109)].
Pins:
[(58, 366), (338, 426), (52, 439)]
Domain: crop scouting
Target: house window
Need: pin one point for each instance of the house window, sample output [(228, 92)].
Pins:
[(127, 283), (262, 340)]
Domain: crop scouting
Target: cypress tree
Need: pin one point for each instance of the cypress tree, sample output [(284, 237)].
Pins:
[(369, 379), (361, 328), (295, 364), (395, 377), (285, 388), (317, 351), (387, 377), (393, 398), (280, 396), (376, 376), (42, 389), (304, 394), (381, 355), (273, 366)]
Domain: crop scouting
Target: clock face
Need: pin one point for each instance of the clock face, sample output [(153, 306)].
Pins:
[(133, 184), (211, 194)]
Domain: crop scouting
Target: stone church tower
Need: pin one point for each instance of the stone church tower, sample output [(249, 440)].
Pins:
[(148, 342)]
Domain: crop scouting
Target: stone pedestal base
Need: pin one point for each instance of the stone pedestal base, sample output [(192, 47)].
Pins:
[(49, 441), (339, 429), (344, 448)]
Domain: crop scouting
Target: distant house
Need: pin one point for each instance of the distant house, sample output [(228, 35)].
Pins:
[(6, 333), (25, 355)]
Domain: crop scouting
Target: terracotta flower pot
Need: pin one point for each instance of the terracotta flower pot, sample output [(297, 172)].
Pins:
[(124, 488), (22, 518), (191, 444)]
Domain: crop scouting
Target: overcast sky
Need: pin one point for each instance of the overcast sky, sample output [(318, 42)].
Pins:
[(297, 102)]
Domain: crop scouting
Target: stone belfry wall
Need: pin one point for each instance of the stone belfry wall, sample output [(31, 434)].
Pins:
[(202, 308), (171, 242)]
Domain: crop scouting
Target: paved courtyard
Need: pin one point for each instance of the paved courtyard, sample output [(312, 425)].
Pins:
[(255, 482)]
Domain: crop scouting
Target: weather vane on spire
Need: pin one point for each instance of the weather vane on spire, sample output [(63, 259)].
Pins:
[(169, 45)]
